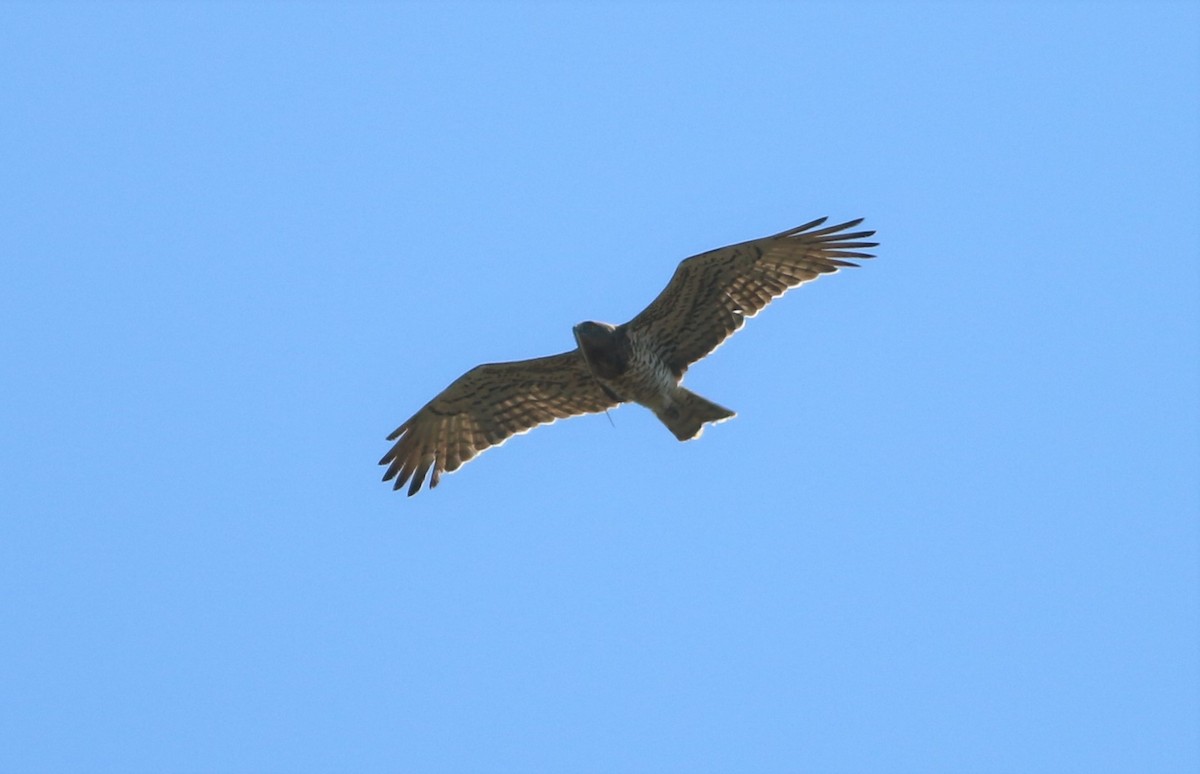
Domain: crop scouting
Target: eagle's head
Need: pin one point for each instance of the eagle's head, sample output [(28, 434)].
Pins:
[(593, 333), (605, 348)]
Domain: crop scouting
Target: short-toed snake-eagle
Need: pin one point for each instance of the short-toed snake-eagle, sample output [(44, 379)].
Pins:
[(643, 361)]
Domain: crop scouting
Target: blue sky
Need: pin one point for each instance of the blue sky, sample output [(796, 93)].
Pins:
[(954, 527)]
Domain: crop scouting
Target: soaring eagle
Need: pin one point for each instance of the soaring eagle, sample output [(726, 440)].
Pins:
[(643, 361)]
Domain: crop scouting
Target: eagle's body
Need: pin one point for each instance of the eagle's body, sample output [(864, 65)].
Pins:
[(642, 361), (632, 370)]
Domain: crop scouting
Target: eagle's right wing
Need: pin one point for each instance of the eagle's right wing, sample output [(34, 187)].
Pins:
[(484, 407), (711, 294)]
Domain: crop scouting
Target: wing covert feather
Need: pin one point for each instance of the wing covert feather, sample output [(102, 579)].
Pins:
[(711, 294), (486, 406)]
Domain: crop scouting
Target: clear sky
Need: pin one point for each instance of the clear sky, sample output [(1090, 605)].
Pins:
[(954, 527)]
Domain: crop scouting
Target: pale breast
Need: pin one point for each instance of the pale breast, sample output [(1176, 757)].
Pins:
[(647, 380)]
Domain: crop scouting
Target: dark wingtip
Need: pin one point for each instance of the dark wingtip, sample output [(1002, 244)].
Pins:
[(799, 229)]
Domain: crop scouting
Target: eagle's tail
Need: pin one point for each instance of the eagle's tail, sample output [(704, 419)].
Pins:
[(687, 414)]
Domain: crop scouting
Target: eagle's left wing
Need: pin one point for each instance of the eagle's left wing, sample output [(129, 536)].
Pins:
[(711, 294), (484, 407)]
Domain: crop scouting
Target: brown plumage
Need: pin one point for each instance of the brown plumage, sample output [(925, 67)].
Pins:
[(643, 361)]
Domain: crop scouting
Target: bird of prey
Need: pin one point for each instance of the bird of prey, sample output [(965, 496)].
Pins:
[(643, 361)]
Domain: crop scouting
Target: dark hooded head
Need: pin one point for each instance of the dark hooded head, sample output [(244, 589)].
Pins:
[(595, 333), (604, 346)]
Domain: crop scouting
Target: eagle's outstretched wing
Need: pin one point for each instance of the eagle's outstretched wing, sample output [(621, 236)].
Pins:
[(484, 407), (711, 294)]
